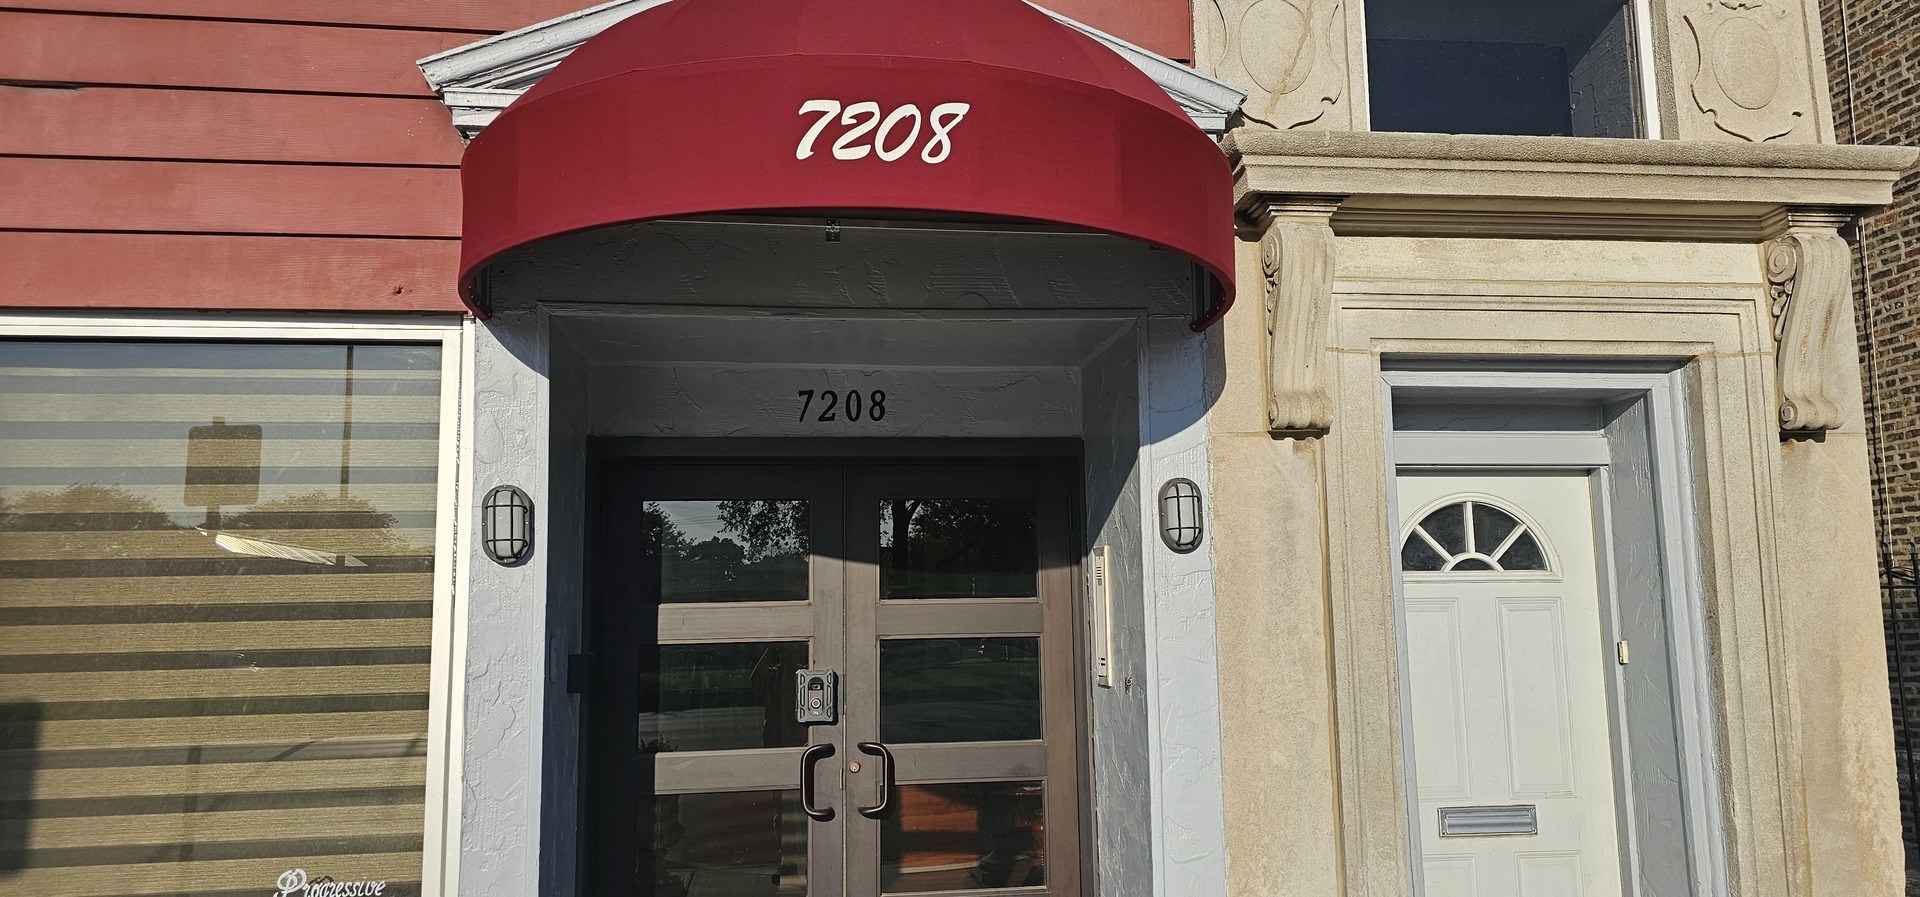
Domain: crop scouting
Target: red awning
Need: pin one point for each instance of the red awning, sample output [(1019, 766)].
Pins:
[(934, 109)]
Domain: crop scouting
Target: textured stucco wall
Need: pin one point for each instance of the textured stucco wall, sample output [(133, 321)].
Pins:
[(1155, 731), (1122, 774), (1183, 664), (506, 689)]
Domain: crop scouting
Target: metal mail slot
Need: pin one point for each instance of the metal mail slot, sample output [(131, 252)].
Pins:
[(1477, 821)]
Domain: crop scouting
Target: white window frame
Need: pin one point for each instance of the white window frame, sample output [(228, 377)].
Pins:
[(1645, 73), (440, 843)]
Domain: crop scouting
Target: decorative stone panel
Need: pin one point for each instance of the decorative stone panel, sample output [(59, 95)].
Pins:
[(1746, 70), (1297, 59)]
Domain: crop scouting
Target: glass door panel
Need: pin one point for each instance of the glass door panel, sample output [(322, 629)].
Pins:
[(959, 689), (712, 587), (729, 550), (965, 836), (957, 547), (725, 844), (717, 697), (960, 649), (941, 596)]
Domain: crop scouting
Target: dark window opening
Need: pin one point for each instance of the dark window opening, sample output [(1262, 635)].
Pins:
[(1502, 67)]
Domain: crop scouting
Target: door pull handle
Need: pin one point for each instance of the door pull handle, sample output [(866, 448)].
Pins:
[(886, 779), (808, 759)]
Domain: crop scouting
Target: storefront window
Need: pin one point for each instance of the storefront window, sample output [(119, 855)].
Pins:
[(216, 592)]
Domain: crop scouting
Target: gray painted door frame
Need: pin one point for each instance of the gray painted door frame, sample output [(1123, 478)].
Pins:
[(1648, 403)]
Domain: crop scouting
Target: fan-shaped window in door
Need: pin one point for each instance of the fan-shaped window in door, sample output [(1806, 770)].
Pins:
[(1471, 536)]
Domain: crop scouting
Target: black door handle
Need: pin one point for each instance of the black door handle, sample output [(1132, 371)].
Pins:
[(808, 758), (886, 778)]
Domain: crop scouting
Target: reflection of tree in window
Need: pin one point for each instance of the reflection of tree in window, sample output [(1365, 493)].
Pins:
[(83, 506), (958, 548), (316, 530), (756, 550), (767, 527), (341, 525)]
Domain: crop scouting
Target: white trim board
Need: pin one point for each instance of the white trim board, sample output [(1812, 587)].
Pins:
[(478, 80), (1423, 449)]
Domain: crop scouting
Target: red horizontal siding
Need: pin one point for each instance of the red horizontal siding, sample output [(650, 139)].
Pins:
[(160, 162), (58, 270), (485, 16), (218, 197), (71, 49), (1163, 26), (160, 123)]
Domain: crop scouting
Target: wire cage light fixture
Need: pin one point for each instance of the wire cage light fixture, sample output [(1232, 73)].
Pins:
[(1180, 525), (506, 525)]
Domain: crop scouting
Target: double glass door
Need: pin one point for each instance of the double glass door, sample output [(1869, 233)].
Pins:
[(833, 680)]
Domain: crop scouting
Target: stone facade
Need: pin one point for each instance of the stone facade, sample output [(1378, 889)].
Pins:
[(1717, 246), (1873, 59)]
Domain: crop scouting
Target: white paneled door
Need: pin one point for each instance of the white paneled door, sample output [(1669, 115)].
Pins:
[(1507, 667)]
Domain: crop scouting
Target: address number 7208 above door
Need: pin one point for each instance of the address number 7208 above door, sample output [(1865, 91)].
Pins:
[(891, 142)]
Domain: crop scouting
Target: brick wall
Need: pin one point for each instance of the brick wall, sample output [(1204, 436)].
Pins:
[(1881, 47)]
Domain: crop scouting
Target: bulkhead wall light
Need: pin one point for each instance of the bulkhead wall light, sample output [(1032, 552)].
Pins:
[(1180, 514), (506, 525)]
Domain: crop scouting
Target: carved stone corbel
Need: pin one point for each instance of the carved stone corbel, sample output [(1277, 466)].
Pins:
[(1296, 252), (1815, 350)]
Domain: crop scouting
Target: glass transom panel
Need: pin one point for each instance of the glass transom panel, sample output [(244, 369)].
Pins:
[(727, 551), (1472, 536)]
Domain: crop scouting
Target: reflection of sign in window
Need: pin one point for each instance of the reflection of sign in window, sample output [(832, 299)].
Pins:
[(223, 465)]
